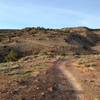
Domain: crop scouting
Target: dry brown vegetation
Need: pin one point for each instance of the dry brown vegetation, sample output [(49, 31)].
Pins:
[(28, 54)]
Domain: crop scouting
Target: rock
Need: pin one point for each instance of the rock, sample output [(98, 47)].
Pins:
[(50, 89), (91, 68), (61, 87), (42, 93), (37, 88), (36, 80), (16, 66)]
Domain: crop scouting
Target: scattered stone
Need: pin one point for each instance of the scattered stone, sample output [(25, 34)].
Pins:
[(42, 93), (16, 66), (50, 89), (37, 88), (91, 68), (61, 87)]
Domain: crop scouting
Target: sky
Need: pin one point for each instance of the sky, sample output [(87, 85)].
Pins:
[(49, 13)]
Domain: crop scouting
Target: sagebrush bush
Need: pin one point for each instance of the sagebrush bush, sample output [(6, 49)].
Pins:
[(12, 56)]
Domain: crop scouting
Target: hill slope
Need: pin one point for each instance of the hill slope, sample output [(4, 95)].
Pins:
[(30, 56)]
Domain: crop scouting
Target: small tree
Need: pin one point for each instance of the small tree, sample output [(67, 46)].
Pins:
[(12, 56)]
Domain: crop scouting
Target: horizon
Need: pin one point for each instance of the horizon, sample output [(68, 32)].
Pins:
[(53, 14), (47, 28)]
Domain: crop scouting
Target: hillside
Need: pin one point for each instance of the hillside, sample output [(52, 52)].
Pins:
[(28, 58), (73, 40)]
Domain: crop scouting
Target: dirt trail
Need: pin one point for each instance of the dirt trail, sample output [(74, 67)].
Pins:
[(75, 83), (57, 83), (49, 85)]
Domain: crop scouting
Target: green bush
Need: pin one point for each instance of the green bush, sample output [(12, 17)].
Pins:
[(12, 56)]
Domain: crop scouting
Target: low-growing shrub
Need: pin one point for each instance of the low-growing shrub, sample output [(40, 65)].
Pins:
[(12, 56)]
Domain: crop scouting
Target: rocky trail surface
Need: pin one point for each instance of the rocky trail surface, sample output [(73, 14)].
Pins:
[(57, 83)]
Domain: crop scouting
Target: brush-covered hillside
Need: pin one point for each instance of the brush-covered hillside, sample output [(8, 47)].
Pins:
[(30, 56)]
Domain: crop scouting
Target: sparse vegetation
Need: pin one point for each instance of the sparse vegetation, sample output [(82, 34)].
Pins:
[(12, 56), (31, 53), (88, 60)]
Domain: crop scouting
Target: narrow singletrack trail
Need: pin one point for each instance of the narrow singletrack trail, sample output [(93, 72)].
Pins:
[(61, 65)]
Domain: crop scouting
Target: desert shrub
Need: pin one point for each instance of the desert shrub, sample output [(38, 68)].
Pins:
[(90, 64), (12, 56)]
